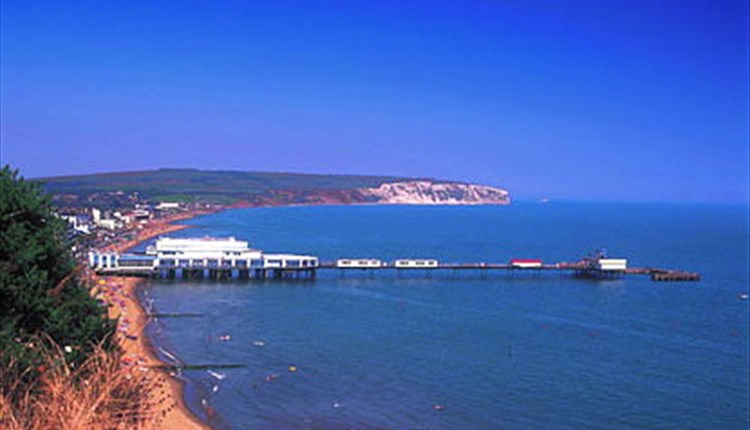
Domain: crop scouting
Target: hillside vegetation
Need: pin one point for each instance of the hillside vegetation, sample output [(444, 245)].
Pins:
[(59, 365), (189, 185), (40, 292)]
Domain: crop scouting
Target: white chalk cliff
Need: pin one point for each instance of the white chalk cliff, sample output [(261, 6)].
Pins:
[(435, 193)]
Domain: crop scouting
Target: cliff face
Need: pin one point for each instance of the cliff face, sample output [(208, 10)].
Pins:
[(431, 193), (419, 192)]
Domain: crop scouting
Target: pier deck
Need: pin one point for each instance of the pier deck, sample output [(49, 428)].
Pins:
[(229, 258), (575, 270)]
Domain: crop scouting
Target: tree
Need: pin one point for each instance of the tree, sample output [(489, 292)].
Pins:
[(40, 294)]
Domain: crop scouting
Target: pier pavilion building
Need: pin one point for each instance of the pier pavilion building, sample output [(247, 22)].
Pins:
[(204, 258)]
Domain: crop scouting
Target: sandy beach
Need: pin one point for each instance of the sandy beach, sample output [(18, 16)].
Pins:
[(121, 295), (170, 409)]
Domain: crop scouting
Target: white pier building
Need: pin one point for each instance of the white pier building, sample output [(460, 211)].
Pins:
[(205, 258)]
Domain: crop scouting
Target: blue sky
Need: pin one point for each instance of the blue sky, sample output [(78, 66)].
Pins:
[(596, 100)]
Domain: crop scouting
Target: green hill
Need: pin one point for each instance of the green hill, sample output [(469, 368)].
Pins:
[(192, 185)]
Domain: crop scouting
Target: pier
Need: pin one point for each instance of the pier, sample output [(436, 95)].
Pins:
[(573, 270), (223, 259)]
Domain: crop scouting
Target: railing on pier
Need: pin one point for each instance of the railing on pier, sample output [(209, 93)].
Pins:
[(126, 265), (578, 270)]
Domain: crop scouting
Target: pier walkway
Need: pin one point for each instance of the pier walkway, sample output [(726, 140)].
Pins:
[(229, 258), (577, 270), (140, 265)]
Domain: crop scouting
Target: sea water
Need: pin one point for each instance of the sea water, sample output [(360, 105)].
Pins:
[(438, 351)]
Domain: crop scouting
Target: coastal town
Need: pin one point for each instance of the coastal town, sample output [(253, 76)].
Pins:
[(109, 220), (116, 222)]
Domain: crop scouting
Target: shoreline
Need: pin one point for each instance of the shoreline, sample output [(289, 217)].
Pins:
[(169, 407), (122, 295), (153, 229)]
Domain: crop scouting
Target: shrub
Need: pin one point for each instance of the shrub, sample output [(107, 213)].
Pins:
[(99, 393), (40, 294)]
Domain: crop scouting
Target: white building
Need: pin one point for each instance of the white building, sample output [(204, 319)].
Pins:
[(76, 224), (344, 263), (226, 253), (415, 264), (105, 260), (612, 264), (141, 214), (167, 205), (109, 223)]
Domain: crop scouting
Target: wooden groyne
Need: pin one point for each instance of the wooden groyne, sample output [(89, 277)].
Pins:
[(176, 315), (208, 366)]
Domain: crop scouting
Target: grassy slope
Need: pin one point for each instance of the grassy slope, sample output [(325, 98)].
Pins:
[(217, 186)]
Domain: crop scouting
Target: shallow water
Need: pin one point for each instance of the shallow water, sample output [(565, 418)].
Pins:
[(516, 353)]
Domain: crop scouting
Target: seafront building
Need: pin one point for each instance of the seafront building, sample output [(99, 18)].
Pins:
[(204, 258)]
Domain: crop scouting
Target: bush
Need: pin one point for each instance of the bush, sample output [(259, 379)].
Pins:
[(40, 294)]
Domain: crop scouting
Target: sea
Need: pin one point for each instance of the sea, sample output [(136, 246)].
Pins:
[(434, 350)]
